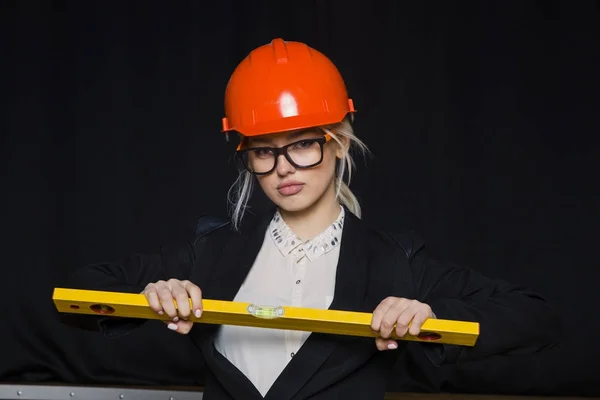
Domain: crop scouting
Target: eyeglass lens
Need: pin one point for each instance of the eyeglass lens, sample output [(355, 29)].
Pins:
[(303, 154)]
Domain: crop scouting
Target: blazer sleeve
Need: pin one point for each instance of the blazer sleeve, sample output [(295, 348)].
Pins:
[(513, 319), (129, 275), (135, 271)]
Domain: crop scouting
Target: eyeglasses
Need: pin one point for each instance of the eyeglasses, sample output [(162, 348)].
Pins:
[(305, 153)]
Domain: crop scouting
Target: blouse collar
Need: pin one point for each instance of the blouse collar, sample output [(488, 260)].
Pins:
[(287, 241)]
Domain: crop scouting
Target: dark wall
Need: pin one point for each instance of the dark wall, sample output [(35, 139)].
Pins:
[(482, 118)]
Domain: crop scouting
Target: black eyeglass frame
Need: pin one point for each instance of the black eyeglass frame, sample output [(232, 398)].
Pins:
[(283, 151)]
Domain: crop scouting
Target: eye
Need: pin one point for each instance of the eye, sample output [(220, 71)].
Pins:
[(305, 144), (262, 153)]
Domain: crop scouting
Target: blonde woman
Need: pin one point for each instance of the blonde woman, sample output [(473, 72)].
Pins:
[(289, 107)]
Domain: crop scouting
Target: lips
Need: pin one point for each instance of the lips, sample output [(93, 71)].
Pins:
[(290, 188)]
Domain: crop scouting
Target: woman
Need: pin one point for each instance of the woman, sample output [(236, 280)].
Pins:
[(289, 106)]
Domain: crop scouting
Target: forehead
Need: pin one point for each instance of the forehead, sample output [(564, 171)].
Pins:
[(279, 139)]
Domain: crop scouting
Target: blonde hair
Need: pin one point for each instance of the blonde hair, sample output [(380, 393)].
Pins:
[(343, 133)]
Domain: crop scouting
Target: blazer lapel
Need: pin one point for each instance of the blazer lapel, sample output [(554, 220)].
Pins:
[(231, 378), (350, 294), (353, 267), (220, 279), (224, 279)]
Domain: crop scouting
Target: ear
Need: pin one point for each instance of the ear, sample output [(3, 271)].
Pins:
[(343, 147)]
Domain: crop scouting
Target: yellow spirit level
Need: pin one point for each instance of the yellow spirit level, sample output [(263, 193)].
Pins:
[(128, 305)]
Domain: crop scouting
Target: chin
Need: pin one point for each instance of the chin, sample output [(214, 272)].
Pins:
[(294, 203)]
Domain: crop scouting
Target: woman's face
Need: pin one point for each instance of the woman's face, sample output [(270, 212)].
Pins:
[(292, 188)]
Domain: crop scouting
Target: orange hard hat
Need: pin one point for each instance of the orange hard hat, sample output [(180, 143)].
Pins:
[(284, 86)]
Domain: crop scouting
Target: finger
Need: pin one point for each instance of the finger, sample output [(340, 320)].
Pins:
[(418, 321), (166, 299), (182, 327), (180, 295), (403, 321), (379, 313), (153, 301), (389, 320), (196, 295), (385, 344)]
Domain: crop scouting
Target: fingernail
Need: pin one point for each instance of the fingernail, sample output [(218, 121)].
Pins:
[(175, 319), (172, 326), (392, 346), (198, 313), (160, 313)]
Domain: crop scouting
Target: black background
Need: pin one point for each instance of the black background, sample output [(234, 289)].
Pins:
[(482, 117)]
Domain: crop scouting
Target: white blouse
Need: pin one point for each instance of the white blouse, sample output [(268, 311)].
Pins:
[(286, 272)]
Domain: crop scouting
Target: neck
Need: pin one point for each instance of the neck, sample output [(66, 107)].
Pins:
[(310, 222)]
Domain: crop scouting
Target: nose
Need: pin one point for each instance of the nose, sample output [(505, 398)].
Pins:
[(284, 167)]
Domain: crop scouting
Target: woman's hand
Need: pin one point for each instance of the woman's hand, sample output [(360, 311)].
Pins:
[(405, 314), (160, 296)]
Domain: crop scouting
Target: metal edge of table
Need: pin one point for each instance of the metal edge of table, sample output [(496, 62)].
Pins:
[(19, 391), (60, 391)]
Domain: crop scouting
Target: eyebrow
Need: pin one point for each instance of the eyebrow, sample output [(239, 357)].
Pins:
[(292, 136)]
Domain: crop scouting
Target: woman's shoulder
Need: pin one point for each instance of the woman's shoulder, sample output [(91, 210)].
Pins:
[(208, 224), (216, 227), (400, 238)]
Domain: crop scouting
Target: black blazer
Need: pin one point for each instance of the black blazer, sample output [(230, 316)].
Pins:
[(372, 265)]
